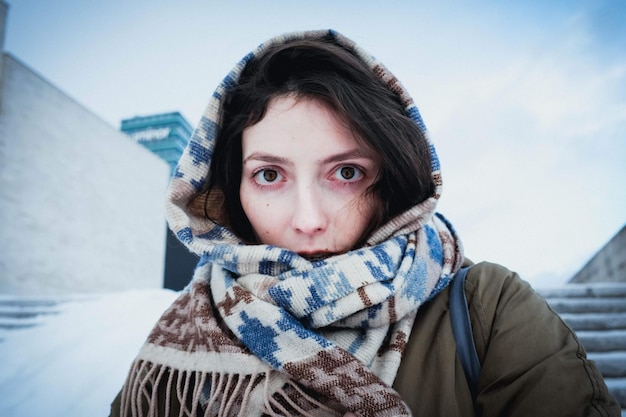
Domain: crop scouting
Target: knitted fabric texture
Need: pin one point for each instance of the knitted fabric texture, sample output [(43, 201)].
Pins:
[(263, 331)]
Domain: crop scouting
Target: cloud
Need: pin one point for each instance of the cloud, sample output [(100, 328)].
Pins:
[(533, 155)]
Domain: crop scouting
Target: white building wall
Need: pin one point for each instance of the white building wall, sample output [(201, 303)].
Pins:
[(81, 205)]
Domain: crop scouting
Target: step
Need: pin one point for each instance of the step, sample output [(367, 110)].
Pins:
[(603, 341), (611, 364), (595, 321), (42, 303), (588, 305), (597, 290), (22, 311), (29, 301), (617, 388), (13, 323)]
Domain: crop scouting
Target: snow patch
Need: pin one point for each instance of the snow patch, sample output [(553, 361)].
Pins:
[(75, 362)]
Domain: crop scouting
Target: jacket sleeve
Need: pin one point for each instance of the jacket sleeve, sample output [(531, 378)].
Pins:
[(116, 405), (532, 362)]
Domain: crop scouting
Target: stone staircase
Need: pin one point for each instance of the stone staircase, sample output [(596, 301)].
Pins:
[(597, 313), (18, 312)]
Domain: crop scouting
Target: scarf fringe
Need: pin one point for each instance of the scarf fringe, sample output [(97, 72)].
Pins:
[(153, 390)]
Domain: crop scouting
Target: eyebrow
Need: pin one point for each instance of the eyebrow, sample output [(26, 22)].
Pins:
[(273, 159), (353, 153), (266, 157)]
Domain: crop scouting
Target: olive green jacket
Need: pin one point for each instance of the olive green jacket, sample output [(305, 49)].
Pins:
[(532, 362)]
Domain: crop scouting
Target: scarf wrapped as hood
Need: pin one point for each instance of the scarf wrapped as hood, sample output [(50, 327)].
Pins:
[(263, 331)]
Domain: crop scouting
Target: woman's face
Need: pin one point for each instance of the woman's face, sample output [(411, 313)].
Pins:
[(304, 179)]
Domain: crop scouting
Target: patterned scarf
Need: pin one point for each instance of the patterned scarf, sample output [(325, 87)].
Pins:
[(264, 331)]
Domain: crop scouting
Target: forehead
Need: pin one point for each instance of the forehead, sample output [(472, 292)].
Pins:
[(307, 124)]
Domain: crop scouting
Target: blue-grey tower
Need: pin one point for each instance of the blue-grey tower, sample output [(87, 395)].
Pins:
[(164, 134)]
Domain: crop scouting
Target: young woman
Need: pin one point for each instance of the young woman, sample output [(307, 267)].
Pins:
[(309, 191)]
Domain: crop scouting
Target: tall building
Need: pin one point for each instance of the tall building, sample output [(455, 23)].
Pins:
[(164, 134)]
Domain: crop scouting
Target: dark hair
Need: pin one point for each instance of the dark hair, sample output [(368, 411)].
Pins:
[(327, 72)]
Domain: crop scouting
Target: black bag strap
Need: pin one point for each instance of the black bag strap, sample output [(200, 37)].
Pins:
[(462, 330)]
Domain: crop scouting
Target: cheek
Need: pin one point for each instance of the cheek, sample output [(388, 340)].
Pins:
[(356, 218), (249, 202), (262, 213)]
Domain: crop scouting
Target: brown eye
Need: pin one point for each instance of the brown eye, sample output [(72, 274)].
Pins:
[(270, 176), (267, 176), (347, 173)]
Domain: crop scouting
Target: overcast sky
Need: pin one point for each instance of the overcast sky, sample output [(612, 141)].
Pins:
[(525, 101)]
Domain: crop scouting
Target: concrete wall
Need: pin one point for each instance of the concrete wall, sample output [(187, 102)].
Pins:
[(608, 265), (81, 205)]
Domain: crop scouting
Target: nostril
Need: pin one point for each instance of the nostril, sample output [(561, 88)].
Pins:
[(309, 221), (308, 226)]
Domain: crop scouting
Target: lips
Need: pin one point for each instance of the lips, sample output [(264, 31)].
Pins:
[(316, 256)]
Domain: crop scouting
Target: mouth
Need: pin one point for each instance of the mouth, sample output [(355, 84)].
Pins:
[(316, 256)]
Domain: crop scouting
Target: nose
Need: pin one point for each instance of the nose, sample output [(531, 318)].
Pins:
[(309, 216)]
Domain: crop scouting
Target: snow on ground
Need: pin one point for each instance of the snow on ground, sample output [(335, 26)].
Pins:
[(75, 362)]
